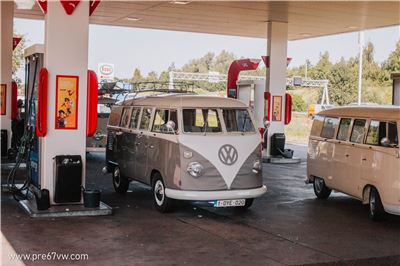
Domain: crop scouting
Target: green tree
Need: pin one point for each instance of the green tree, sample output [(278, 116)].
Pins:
[(322, 69), (392, 64), (299, 105), (152, 76), (343, 82), (200, 65), (137, 76), (222, 62), (18, 58)]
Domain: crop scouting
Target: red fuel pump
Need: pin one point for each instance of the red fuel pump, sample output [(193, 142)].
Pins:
[(235, 68), (41, 121), (92, 100)]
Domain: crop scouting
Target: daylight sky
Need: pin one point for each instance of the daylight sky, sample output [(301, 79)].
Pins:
[(148, 50)]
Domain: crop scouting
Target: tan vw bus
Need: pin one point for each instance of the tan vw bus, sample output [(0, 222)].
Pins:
[(355, 150), (186, 147)]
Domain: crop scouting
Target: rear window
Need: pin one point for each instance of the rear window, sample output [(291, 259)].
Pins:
[(329, 127), (317, 125), (115, 116), (344, 128), (145, 121), (125, 117), (237, 120), (201, 120), (357, 134), (134, 118)]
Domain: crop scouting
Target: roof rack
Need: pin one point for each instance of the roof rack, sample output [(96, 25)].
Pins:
[(152, 88)]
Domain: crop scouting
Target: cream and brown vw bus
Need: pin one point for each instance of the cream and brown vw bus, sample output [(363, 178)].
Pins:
[(186, 147), (355, 150)]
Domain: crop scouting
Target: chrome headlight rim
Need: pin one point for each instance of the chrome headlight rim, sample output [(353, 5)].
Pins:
[(195, 169)]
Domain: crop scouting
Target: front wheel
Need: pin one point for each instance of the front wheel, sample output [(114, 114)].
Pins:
[(161, 201), (120, 182), (320, 189), (376, 210)]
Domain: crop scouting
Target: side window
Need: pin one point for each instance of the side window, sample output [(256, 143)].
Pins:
[(161, 118), (145, 121), (134, 118), (328, 130), (125, 117), (392, 134), (373, 133), (201, 120), (343, 128), (115, 116), (317, 125), (357, 135)]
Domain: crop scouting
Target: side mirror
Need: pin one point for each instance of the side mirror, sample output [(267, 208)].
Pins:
[(266, 124), (385, 142), (170, 125)]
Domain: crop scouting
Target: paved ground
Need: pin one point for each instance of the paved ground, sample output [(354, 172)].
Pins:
[(287, 226)]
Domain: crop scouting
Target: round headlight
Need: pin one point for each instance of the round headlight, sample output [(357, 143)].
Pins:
[(257, 165), (195, 169)]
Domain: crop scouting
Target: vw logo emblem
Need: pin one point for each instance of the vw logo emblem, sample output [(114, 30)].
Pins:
[(228, 154)]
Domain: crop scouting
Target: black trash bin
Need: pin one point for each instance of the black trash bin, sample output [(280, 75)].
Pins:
[(91, 198), (277, 143), (68, 178)]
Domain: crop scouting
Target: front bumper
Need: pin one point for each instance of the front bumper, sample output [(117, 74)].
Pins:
[(215, 195), (392, 209)]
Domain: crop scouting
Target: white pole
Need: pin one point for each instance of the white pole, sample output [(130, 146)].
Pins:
[(360, 63)]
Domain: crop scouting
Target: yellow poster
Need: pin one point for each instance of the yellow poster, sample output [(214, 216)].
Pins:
[(277, 108), (67, 102), (3, 99)]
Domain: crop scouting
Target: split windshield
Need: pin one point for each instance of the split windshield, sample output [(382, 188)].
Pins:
[(207, 120)]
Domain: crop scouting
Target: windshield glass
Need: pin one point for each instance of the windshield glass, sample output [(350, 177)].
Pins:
[(237, 120), (201, 120)]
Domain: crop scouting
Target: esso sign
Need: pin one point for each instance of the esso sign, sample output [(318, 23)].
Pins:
[(105, 71)]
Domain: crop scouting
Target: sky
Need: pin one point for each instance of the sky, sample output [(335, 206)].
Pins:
[(154, 50)]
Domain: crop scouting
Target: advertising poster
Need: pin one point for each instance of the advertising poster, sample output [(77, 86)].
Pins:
[(277, 108), (67, 102), (3, 99)]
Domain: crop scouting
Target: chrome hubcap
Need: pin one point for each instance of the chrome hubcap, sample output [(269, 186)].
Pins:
[(117, 178), (319, 184), (159, 192)]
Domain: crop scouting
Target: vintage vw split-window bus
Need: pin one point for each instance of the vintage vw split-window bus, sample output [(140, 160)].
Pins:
[(355, 150), (186, 147)]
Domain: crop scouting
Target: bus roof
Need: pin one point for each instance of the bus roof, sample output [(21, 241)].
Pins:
[(389, 112), (179, 100)]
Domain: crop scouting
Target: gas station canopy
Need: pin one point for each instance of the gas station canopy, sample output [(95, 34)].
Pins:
[(245, 18)]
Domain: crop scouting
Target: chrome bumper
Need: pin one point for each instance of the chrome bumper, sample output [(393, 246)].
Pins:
[(215, 195)]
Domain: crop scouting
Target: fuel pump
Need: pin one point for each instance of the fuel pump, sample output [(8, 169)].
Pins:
[(254, 94)]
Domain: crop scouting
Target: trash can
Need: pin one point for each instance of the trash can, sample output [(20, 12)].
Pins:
[(91, 198), (277, 143), (68, 178)]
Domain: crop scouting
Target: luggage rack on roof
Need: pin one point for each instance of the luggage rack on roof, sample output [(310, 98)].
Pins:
[(153, 88)]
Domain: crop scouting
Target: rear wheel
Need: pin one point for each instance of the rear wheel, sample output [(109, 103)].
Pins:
[(376, 210), (320, 189), (120, 182), (161, 201)]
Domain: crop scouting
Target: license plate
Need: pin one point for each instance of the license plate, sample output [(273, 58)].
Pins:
[(229, 203)]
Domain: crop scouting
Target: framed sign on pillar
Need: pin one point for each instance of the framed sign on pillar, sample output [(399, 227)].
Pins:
[(277, 108), (66, 102)]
